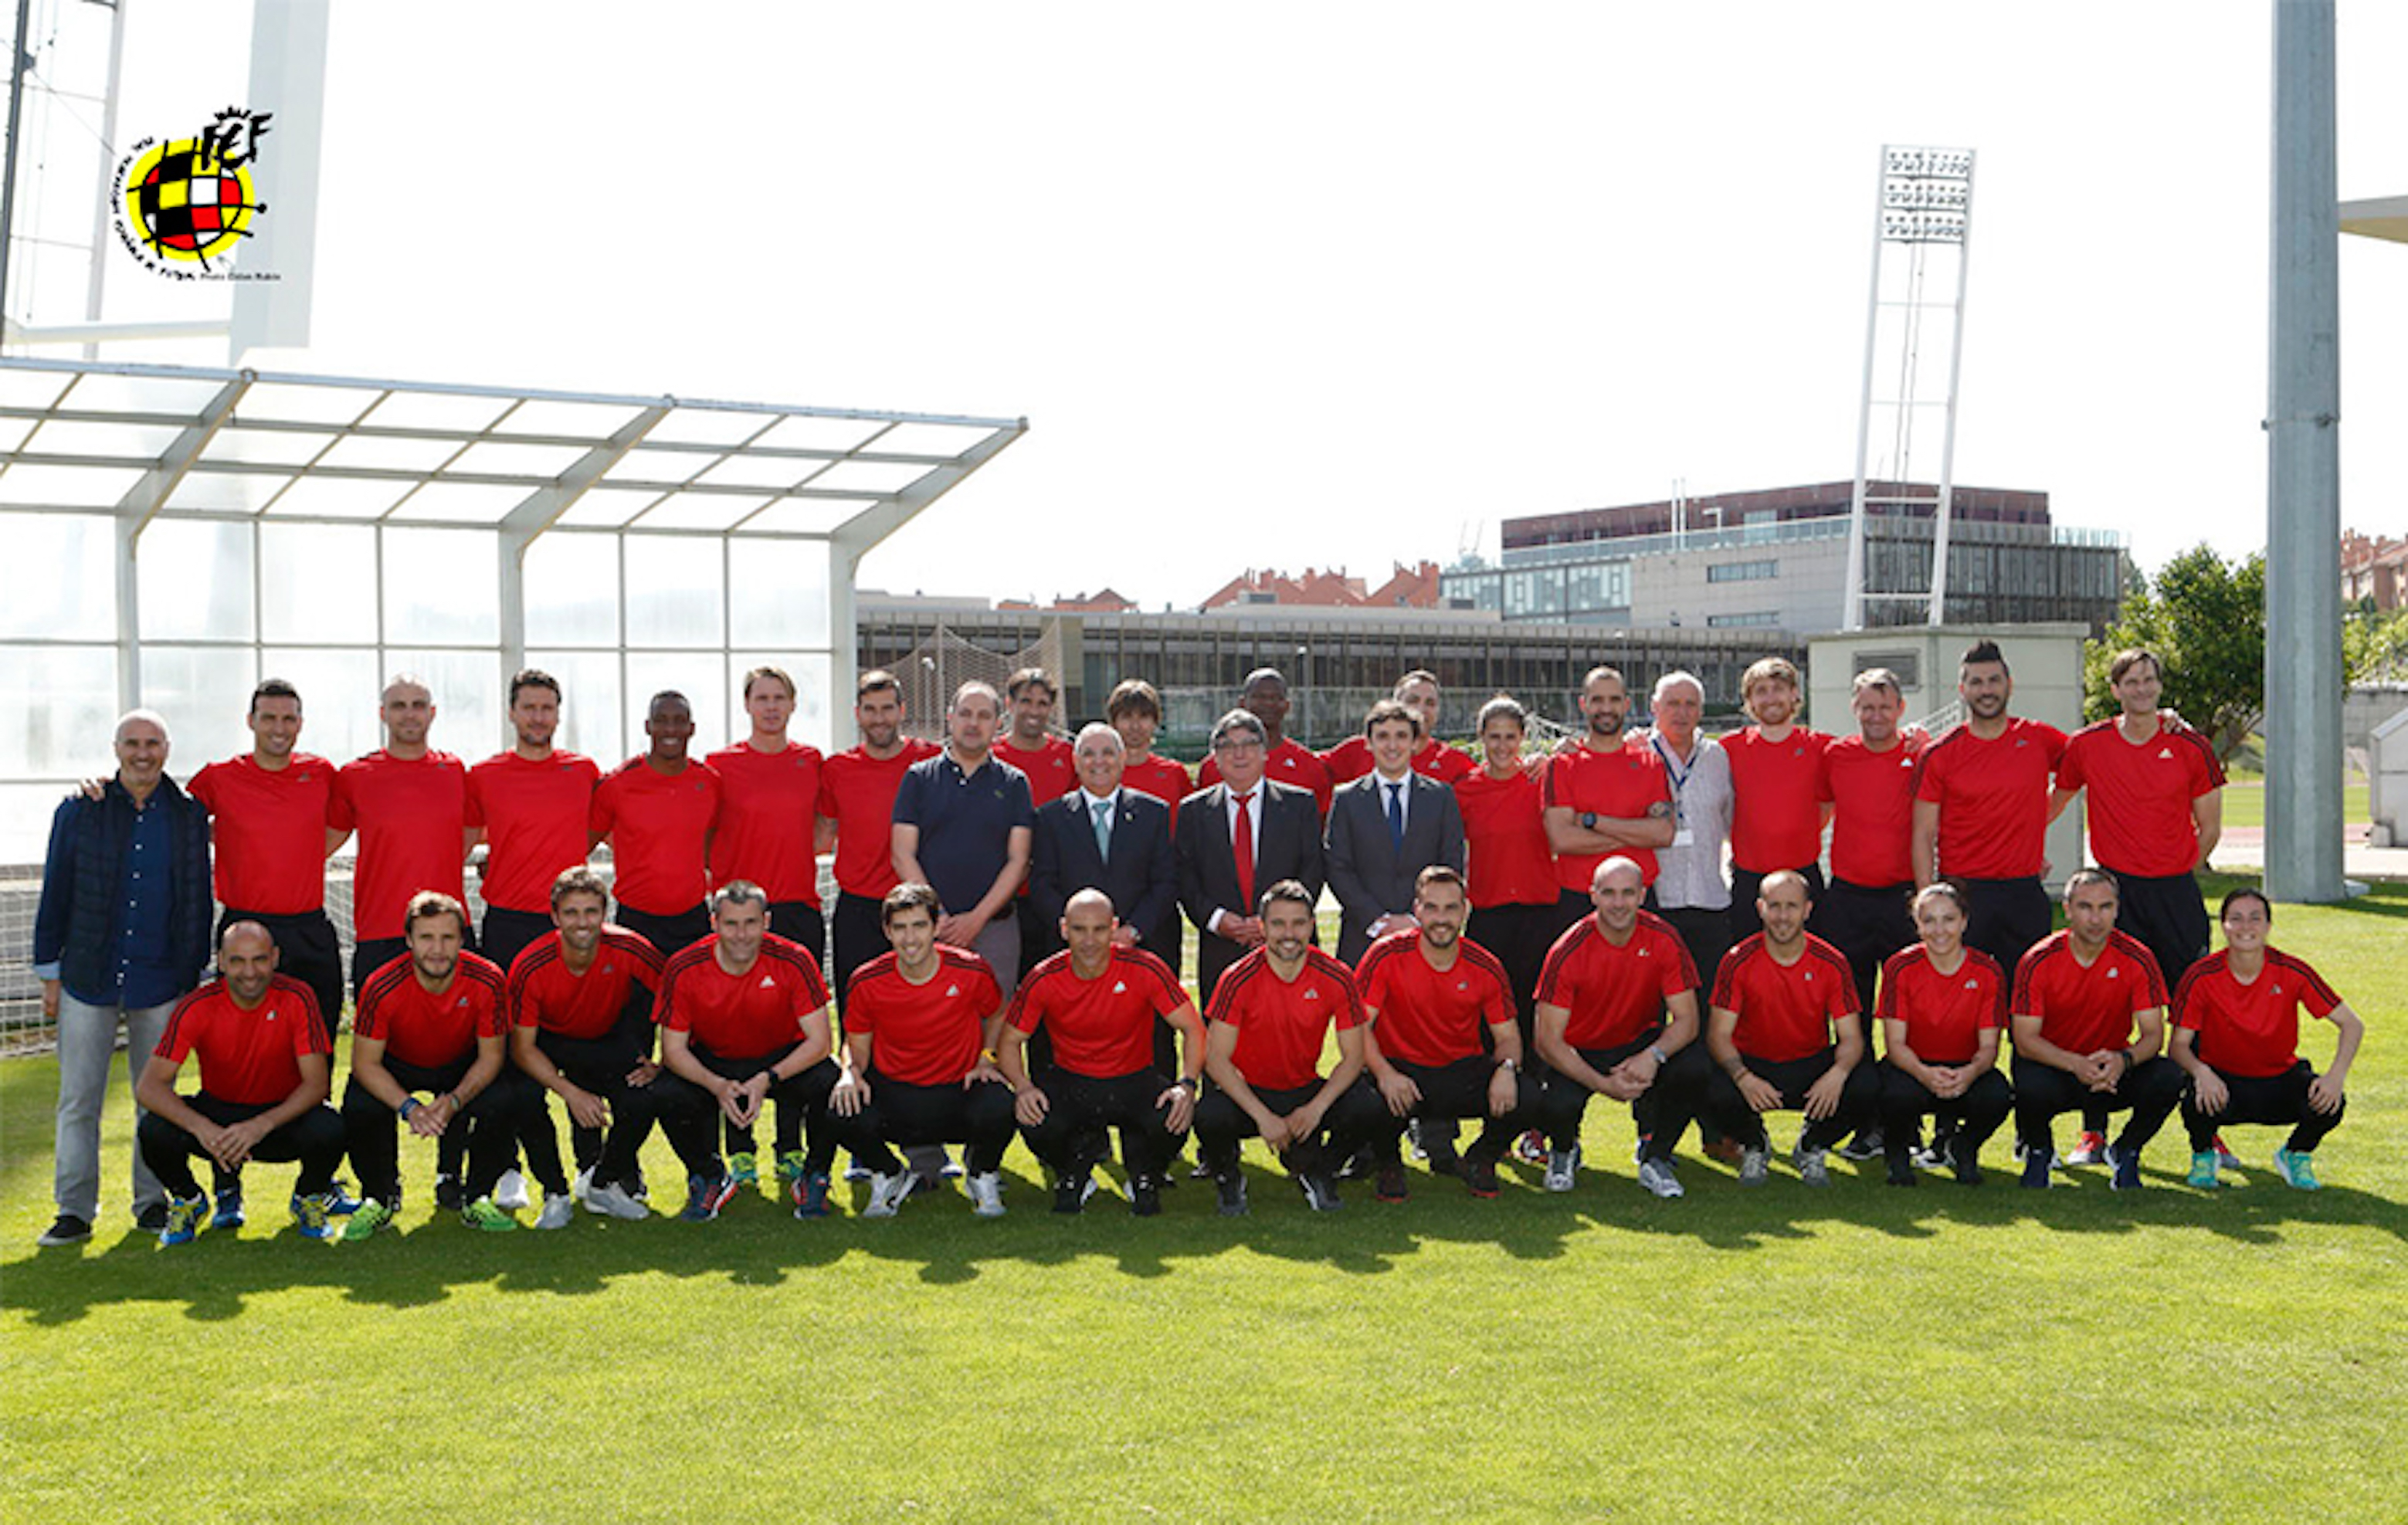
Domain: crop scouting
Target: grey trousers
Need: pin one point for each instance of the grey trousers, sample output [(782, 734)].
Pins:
[(87, 1048)]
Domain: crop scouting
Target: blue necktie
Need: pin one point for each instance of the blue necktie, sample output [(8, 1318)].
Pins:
[(1396, 815), (1104, 830)]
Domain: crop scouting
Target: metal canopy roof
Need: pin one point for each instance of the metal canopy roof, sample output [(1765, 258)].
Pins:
[(141, 441)]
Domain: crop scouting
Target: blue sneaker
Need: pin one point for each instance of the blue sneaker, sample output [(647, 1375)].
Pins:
[(2299, 1170), (2126, 1161), (811, 1195), (184, 1220), (2038, 1161), (339, 1203), (311, 1214), (229, 1213), (705, 1196)]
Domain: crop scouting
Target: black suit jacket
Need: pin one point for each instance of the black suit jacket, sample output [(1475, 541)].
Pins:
[(1140, 876), (1370, 875), (1288, 847)]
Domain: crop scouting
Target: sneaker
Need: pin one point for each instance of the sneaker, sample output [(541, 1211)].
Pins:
[(486, 1214), (1728, 1150), (2299, 1170), (706, 1195), (339, 1203), (1657, 1177), (1413, 1145), (310, 1214), (2126, 1163), (1388, 1183), (889, 1192), (856, 1172), (811, 1194), (229, 1210), (1928, 1157), (1071, 1191), (184, 1222), (581, 1185), (791, 1167), (615, 1201), (446, 1194), (152, 1219), (1532, 1147), (1752, 1166), (1902, 1174), (952, 1169), (987, 1194), (1480, 1176), (372, 1215), (2224, 1154), (2038, 1163), (2202, 1170), (1563, 1168), (744, 1169), (511, 1192), (68, 1229), (637, 1189), (1866, 1145), (1145, 1196), (559, 1211), (1810, 1165), (1230, 1189), (1965, 1158), (1320, 1192), (2090, 1149), (1200, 1171)]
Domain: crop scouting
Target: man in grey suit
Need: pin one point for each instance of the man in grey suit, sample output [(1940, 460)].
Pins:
[(1385, 828), (1237, 838)]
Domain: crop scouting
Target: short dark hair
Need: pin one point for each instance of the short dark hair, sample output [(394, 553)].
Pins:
[(1437, 874), (1392, 709), (580, 880), (273, 688), (1133, 696), (1981, 653), (1506, 705), (872, 681), (2130, 657), (2081, 876), (1284, 890), (2246, 892), (667, 696), (1030, 677), (1419, 674), (534, 678), (906, 895), (429, 903), (1948, 890), (1238, 720)]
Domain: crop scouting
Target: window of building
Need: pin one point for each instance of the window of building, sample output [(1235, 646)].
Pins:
[(1762, 618), (1743, 571)]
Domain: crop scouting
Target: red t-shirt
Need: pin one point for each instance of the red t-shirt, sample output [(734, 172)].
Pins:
[(1290, 763), (544, 992), (743, 1016), (1784, 1013), (251, 1058), (923, 1034), (2081, 1010), (1053, 769), (1102, 1027), (1612, 996), (656, 823), (430, 1028), (409, 816), (1944, 1014), (1506, 857), (1872, 796), (2252, 1029), (765, 821), (1776, 821), (857, 792), (1351, 759), (1165, 778), (1993, 798), (533, 814), (1283, 1026), (269, 829), (1620, 782), (1430, 1016), (2139, 809)]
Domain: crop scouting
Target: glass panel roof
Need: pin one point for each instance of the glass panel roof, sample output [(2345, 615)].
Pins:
[(338, 449)]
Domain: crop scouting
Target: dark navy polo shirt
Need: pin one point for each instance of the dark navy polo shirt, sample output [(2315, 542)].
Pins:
[(966, 821)]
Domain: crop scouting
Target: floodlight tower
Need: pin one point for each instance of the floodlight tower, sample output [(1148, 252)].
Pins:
[(1922, 209)]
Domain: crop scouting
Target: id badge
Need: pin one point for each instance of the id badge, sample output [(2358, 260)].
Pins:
[(1684, 838)]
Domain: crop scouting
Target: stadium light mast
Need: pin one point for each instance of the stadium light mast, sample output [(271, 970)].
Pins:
[(2304, 677), (1922, 209)]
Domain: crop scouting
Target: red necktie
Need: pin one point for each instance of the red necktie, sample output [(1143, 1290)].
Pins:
[(1242, 844)]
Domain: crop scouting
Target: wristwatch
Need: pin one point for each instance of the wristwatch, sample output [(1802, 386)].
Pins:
[(1194, 1087), (1511, 1066), (1588, 820), (1659, 1055)]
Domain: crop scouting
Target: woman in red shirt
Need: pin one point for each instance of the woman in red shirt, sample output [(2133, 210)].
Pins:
[(2237, 1035), (1942, 1007)]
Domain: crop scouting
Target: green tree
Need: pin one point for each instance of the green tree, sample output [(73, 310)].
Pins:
[(2206, 618), (2374, 646)]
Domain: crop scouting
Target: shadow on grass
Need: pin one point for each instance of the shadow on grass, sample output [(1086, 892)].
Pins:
[(758, 1244)]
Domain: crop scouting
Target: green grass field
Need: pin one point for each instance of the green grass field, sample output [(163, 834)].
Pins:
[(1863, 1353)]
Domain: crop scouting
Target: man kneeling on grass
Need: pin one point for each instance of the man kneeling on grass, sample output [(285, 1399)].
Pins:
[(263, 1060), (430, 1020)]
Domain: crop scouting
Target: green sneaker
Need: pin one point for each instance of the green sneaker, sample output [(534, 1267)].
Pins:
[(2202, 1170), (2299, 1170), (483, 1213), (372, 1215), (791, 1165), (743, 1170)]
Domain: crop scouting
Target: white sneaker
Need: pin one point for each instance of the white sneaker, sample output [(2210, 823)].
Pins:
[(559, 1211), (1811, 1168), (1752, 1163), (953, 1167), (511, 1192), (1657, 1177), (1563, 1168), (888, 1192), (613, 1201), (584, 1183), (986, 1194)]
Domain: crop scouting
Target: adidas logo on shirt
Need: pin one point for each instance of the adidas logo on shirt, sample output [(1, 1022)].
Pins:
[(2114, 971), (1119, 986), (1972, 984), (953, 989), (1313, 993), (769, 983), (2166, 753)]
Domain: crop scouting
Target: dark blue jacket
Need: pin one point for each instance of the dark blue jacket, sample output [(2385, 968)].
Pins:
[(76, 926)]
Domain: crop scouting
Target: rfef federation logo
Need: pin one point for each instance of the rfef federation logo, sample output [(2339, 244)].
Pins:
[(184, 205)]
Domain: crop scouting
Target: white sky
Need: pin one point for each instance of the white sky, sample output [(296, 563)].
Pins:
[(1319, 283)]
